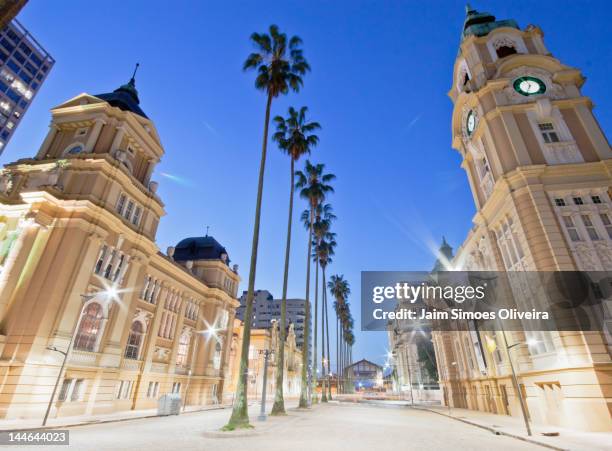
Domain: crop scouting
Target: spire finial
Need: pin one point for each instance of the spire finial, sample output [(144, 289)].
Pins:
[(135, 70), (207, 227), (468, 7)]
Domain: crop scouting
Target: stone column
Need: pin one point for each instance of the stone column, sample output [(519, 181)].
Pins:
[(147, 355), (118, 137), (94, 135), (44, 148), (20, 264)]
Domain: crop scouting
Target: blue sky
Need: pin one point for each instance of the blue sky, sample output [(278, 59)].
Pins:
[(380, 74)]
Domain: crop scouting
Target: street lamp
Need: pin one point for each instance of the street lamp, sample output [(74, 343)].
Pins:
[(491, 347), (110, 294), (262, 413)]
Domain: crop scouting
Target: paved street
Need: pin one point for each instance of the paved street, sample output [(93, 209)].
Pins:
[(330, 427)]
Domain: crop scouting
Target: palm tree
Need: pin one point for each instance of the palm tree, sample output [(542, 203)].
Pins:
[(325, 250), (340, 290), (294, 136), (314, 186), (280, 66)]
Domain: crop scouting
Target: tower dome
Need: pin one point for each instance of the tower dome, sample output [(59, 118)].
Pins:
[(200, 248), (125, 97)]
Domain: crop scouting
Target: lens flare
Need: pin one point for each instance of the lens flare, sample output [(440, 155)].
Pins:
[(178, 179)]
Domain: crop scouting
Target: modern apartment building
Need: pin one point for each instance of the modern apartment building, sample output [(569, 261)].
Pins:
[(24, 66), (266, 309)]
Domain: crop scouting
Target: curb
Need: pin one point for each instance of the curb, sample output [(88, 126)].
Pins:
[(493, 430), (114, 420)]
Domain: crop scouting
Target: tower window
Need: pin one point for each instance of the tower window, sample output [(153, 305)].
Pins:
[(560, 202), (578, 200), (548, 132), (596, 199), (505, 50), (75, 150), (571, 228)]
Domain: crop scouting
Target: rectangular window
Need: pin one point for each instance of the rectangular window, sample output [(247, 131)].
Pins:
[(128, 210), (35, 59), (560, 202), (25, 49), (578, 200), (588, 224), (571, 228), (121, 204), (63, 394), (19, 57), (607, 224), (13, 65), (596, 199), (136, 217), (76, 390), (548, 132)]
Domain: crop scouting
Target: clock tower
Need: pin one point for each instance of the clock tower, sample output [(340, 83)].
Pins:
[(539, 168), (538, 163)]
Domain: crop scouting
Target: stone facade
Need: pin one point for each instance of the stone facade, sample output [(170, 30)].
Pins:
[(261, 340), (539, 167), (76, 220)]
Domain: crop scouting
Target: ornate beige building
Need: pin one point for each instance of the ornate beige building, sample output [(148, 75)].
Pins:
[(80, 219), (262, 340), (539, 167)]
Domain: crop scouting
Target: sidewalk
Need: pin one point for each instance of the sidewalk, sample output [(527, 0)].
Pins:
[(515, 427), (81, 420)]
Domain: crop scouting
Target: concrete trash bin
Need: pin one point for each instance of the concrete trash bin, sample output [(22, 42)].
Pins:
[(169, 404)]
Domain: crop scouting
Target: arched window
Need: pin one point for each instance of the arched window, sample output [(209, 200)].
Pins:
[(183, 347), (217, 356), (89, 328), (132, 349), (76, 149), (505, 50)]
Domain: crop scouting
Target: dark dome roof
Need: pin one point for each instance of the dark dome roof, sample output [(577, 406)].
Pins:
[(482, 23), (199, 248), (125, 97)]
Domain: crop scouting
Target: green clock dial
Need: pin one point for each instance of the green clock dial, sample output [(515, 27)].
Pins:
[(470, 122), (529, 86)]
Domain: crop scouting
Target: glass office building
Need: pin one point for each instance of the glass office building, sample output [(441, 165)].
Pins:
[(24, 66)]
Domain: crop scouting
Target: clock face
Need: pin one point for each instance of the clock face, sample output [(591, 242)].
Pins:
[(529, 86), (470, 122)]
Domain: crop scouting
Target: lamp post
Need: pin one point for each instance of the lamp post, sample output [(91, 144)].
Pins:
[(514, 377), (109, 294), (262, 413)]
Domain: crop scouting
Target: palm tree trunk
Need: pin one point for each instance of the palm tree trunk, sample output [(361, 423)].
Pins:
[(315, 396), (305, 347), (337, 353), (240, 415), (278, 408), (329, 396), (323, 372)]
